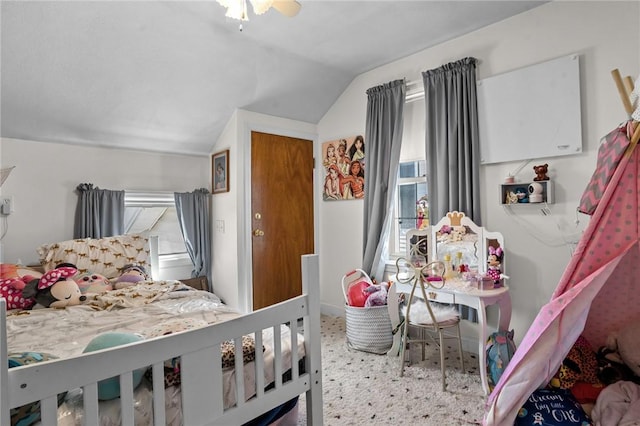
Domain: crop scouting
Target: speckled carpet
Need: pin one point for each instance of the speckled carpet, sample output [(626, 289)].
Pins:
[(366, 389)]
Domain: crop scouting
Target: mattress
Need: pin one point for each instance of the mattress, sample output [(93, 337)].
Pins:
[(144, 309)]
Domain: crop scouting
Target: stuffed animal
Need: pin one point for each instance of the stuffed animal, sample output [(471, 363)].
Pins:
[(494, 264), (541, 172), (511, 198), (580, 365), (11, 290), (458, 233), (131, 275), (92, 283), (611, 368), (377, 295), (626, 342), (522, 194), (56, 289)]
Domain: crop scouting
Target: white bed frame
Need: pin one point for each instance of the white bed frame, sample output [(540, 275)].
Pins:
[(201, 367)]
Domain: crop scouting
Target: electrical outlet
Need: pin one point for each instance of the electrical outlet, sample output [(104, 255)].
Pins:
[(6, 205)]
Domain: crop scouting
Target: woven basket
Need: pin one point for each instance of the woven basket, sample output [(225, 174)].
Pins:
[(368, 328)]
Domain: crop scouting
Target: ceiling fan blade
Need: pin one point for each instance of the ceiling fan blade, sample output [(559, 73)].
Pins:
[(288, 8)]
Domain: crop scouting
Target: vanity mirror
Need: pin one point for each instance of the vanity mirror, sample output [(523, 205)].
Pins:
[(458, 240)]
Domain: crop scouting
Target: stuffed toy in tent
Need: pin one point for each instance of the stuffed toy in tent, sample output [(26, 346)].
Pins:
[(607, 258)]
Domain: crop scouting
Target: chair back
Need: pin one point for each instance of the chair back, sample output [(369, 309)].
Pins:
[(421, 275)]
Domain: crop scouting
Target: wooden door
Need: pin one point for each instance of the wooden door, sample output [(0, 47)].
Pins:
[(281, 215)]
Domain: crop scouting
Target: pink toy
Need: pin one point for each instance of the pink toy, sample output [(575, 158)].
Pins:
[(11, 291), (377, 295), (93, 283)]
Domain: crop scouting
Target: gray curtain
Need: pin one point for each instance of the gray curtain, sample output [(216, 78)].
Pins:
[(193, 216), (383, 136), (452, 144), (99, 213), (452, 141)]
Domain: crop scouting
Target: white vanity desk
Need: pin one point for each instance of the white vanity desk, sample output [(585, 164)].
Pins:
[(457, 291)]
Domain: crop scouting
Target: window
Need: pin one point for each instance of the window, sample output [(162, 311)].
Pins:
[(156, 214), (411, 209)]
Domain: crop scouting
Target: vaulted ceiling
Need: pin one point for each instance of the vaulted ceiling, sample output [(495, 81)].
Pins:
[(167, 75)]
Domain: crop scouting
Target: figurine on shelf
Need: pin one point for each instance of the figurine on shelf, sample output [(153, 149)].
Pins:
[(494, 262), (541, 172), (511, 198), (522, 194)]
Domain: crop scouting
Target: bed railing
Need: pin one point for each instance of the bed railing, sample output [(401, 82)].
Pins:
[(200, 367)]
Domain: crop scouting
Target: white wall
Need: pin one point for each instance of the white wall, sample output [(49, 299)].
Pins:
[(606, 36), (46, 175)]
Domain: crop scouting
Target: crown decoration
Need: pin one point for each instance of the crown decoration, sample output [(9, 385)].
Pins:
[(455, 218)]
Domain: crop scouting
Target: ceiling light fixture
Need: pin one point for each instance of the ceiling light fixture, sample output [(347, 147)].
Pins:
[(237, 9)]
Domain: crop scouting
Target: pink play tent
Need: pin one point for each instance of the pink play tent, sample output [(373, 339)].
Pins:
[(597, 294)]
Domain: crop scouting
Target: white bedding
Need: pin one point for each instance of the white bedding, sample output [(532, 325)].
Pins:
[(138, 309)]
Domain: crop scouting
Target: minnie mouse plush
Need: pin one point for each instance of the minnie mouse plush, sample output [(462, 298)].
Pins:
[(56, 289), (494, 262)]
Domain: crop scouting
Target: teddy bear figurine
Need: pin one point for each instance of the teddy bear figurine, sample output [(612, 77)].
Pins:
[(541, 172)]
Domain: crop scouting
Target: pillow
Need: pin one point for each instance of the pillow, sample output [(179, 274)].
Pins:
[(104, 256), (552, 408), (30, 413), (110, 388)]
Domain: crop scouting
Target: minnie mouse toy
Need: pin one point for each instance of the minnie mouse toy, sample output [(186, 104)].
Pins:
[(494, 262), (56, 289)]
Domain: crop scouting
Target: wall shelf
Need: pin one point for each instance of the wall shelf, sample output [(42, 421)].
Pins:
[(529, 188)]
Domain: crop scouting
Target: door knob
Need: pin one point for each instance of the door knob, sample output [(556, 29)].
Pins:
[(258, 233)]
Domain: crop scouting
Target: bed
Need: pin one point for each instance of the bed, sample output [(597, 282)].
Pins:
[(210, 385)]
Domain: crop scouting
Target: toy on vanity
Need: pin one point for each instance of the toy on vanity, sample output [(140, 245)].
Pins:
[(494, 265)]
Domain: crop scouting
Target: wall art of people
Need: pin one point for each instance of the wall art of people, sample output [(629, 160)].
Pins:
[(344, 165)]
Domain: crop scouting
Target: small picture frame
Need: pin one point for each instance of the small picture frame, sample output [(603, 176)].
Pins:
[(220, 172)]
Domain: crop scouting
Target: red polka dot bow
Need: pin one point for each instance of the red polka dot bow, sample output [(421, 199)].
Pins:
[(54, 275)]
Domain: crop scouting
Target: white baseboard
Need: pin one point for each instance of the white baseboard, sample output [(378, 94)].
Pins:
[(331, 310)]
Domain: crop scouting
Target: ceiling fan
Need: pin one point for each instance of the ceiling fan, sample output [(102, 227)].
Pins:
[(237, 9)]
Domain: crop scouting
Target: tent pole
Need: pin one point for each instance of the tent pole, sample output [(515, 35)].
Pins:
[(624, 90)]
